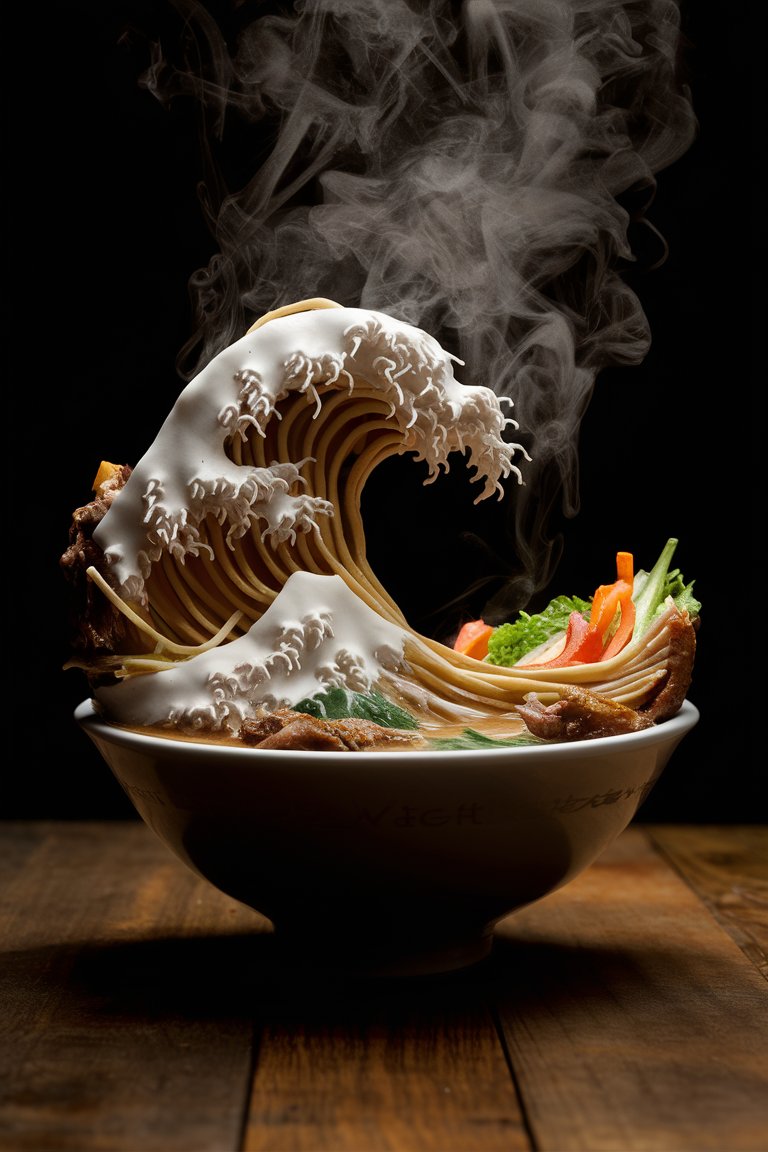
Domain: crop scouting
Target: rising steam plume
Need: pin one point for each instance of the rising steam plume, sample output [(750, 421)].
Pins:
[(474, 169)]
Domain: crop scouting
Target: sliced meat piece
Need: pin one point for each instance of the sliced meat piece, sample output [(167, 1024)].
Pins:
[(305, 734), (359, 734), (288, 729), (682, 654), (579, 715), (256, 730)]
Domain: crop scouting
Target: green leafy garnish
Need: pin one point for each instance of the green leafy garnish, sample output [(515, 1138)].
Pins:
[(470, 740), (510, 642), (652, 588), (338, 703)]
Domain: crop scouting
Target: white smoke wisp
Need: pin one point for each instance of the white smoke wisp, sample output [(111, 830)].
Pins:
[(464, 167)]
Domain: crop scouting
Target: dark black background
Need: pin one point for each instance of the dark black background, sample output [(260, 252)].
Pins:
[(105, 228)]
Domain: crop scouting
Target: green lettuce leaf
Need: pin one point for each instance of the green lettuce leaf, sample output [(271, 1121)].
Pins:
[(510, 642)]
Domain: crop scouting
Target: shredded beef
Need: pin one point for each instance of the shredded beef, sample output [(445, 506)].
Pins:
[(97, 626)]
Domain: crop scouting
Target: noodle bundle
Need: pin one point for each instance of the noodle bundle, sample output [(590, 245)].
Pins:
[(236, 549)]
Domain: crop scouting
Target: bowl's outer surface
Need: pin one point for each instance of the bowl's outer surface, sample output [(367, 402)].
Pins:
[(434, 846)]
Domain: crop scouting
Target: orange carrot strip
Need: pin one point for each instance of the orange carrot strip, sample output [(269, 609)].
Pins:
[(623, 633), (612, 599), (473, 638)]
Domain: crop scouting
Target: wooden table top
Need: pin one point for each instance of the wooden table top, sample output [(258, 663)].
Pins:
[(143, 1010)]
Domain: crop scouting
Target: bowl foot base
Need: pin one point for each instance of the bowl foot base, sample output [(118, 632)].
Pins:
[(382, 959)]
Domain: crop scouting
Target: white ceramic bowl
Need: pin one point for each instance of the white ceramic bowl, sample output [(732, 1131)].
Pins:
[(386, 862)]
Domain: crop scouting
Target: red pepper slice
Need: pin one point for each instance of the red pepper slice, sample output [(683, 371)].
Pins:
[(583, 645)]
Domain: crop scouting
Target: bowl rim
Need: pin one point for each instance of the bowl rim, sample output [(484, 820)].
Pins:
[(96, 725)]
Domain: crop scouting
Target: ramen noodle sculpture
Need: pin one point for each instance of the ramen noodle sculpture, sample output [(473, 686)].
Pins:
[(221, 588)]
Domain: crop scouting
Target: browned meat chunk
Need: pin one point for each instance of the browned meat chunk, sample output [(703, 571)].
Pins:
[(97, 627), (305, 734), (254, 731), (582, 715), (682, 653), (579, 715), (297, 730)]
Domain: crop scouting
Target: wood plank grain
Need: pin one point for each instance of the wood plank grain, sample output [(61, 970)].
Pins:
[(728, 868), (403, 1066), (632, 1020), (125, 1019)]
